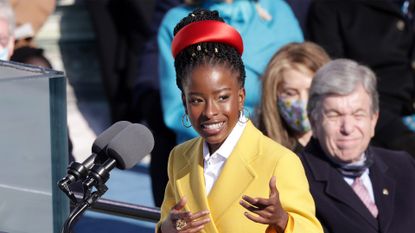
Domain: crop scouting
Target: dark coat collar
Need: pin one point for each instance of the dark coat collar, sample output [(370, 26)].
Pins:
[(383, 185)]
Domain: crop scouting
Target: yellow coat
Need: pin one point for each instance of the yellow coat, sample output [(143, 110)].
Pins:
[(253, 162)]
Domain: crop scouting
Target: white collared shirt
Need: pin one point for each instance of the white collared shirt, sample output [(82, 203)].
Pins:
[(213, 164), (366, 182)]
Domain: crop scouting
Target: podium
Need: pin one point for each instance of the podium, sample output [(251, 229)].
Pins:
[(33, 149)]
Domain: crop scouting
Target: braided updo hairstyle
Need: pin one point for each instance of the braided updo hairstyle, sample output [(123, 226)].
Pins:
[(205, 53)]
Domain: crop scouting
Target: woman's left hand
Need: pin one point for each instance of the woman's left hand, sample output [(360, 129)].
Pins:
[(267, 210)]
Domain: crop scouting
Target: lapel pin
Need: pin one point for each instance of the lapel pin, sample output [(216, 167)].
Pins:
[(385, 191)]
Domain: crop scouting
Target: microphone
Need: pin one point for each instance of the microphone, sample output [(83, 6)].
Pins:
[(79, 171), (124, 151)]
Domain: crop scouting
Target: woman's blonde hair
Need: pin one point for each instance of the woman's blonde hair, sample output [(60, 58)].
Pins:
[(306, 57)]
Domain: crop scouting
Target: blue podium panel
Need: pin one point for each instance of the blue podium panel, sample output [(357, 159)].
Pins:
[(33, 142)]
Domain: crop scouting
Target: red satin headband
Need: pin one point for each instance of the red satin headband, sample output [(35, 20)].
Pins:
[(207, 31)]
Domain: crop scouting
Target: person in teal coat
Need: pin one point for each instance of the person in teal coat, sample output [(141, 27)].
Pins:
[(265, 26)]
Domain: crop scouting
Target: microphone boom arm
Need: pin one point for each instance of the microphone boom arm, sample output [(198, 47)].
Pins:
[(79, 209)]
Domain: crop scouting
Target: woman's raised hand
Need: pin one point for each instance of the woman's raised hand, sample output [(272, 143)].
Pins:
[(184, 221), (266, 210)]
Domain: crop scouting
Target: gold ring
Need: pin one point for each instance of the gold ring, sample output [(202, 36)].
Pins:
[(180, 224)]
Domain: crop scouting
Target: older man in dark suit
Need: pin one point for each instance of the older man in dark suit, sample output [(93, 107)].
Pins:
[(381, 35), (356, 187)]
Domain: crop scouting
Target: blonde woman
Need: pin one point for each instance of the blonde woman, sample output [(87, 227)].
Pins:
[(282, 113)]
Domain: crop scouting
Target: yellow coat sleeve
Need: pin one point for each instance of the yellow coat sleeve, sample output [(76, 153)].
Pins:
[(295, 196)]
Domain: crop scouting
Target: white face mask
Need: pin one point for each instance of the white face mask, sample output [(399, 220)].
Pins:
[(4, 54)]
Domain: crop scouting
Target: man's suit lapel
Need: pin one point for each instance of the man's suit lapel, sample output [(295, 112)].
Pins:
[(383, 188), (191, 184), (336, 186), (236, 175), (338, 189)]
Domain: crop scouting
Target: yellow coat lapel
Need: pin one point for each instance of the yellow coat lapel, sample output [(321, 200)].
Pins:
[(236, 175), (192, 185)]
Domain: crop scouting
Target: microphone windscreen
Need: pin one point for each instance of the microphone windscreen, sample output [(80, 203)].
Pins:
[(131, 145), (107, 135)]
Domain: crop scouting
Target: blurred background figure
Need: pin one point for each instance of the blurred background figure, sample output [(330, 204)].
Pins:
[(7, 25), (300, 9), (126, 33), (30, 55), (147, 103), (356, 187), (30, 17), (282, 113), (380, 34), (121, 29)]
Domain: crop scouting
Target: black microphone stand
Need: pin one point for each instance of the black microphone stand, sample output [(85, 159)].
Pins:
[(97, 177), (76, 171), (64, 186), (79, 209)]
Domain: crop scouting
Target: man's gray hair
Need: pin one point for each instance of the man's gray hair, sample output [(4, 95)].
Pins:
[(7, 14), (340, 77)]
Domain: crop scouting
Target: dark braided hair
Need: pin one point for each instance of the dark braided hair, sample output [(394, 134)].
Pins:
[(210, 53)]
